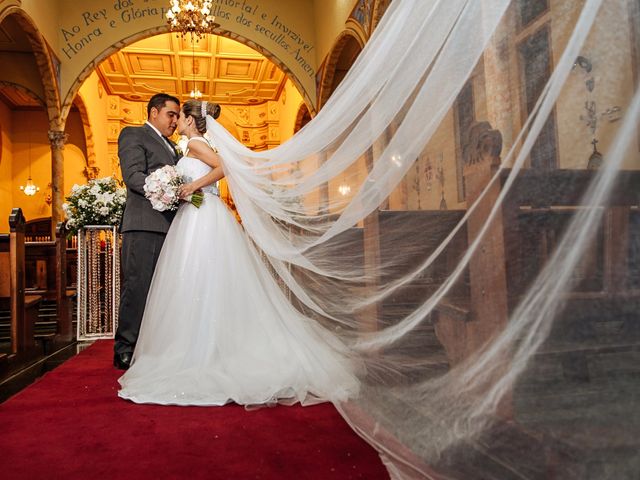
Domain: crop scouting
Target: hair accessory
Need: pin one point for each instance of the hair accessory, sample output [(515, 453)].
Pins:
[(203, 109)]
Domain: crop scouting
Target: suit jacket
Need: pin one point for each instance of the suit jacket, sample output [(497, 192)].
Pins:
[(141, 152)]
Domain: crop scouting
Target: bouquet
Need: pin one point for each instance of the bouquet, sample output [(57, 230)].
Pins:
[(161, 188), (99, 202)]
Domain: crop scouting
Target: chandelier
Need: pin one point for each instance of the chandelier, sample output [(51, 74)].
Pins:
[(344, 189), (195, 92), (191, 16), (29, 188)]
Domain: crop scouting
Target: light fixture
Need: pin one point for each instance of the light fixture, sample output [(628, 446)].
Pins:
[(191, 16), (195, 93), (29, 188), (344, 189)]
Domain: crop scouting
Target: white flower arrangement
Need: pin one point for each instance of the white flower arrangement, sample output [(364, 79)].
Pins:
[(99, 202)]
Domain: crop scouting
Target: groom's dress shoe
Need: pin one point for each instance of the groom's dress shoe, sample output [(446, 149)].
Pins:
[(122, 360)]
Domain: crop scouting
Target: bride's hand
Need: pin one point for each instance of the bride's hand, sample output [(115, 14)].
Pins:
[(186, 190)]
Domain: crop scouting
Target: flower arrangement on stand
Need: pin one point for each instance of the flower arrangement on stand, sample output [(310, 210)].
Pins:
[(99, 202), (93, 212)]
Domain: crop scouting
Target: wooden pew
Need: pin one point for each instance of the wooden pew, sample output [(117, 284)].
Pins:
[(592, 349), (521, 240), (396, 242), (64, 293), (23, 308), (40, 272), (38, 230), (46, 274), (590, 355)]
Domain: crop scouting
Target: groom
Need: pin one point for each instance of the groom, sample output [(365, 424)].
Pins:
[(142, 150)]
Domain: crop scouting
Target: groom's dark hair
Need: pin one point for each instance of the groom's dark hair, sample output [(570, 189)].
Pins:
[(158, 101)]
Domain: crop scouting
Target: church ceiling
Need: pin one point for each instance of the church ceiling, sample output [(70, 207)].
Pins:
[(13, 38), (18, 98), (224, 70), (15, 47)]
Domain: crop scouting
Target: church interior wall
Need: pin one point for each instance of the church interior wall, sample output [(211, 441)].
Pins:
[(575, 143), (23, 72), (95, 99), (75, 152), (24, 135), (436, 172), (573, 136), (6, 166), (290, 101), (42, 12), (29, 135), (330, 18)]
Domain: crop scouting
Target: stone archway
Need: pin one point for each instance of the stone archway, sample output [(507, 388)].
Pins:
[(73, 91), (47, 68), (343, 54), (302, 117), (91, 170), (44, 61)]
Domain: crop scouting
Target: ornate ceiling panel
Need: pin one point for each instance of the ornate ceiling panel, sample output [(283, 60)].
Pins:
[(17, 98), (224, 70)]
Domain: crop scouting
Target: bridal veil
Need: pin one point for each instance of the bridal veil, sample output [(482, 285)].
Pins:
[(463, 214)]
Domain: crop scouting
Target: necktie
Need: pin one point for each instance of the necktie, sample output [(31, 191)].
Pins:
[(169, 146)]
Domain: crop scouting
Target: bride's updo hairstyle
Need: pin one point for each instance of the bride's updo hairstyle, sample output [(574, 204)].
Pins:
[(199, 111)]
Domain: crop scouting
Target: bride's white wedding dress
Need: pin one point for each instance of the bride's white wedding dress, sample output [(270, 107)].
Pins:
[(218, 329)]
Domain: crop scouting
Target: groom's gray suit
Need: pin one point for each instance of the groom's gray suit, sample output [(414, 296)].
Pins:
[(141, 151)]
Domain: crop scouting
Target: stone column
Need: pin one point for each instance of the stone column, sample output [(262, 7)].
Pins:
[(57, 140), (498, 82)]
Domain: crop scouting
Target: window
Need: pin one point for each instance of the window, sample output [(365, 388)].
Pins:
[(535, 66), (529, 10)]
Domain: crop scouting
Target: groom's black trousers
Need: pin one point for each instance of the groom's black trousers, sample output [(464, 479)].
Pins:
[(140, 252)]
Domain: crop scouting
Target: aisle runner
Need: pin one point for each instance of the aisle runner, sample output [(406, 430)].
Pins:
[(71, 424)]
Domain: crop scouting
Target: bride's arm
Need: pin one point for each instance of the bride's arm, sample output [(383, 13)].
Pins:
[(191, 187), (206, 154)]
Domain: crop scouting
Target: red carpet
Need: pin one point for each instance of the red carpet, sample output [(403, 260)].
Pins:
[(71, 424)]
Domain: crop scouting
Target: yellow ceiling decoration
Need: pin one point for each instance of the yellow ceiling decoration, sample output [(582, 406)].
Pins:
[(225, 71)]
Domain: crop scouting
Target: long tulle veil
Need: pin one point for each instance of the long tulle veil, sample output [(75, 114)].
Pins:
[(463, 214)]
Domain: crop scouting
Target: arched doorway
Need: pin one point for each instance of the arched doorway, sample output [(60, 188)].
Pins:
[(302, 117), (342, 56), (29, 110)]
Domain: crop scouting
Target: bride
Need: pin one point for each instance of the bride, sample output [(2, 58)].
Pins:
[(217, 328)]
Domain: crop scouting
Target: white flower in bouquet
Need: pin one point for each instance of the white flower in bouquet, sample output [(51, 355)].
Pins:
[(161, 188), (99, 202), (181, 146)]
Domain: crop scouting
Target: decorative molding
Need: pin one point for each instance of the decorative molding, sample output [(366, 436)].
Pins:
[(57, 139), (482, 144), (91, 172), (378, 11)]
